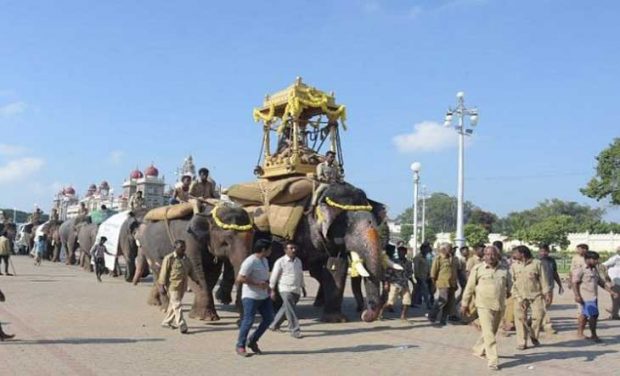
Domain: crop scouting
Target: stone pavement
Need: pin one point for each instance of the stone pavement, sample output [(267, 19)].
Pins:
[(68, 324)]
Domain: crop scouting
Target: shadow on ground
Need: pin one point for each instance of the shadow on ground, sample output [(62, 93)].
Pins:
[(82, 341), (529, 359)]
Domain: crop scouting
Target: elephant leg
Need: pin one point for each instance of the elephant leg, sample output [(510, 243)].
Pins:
[(356, 286), (139, 269), (56, 253), (226, 284), (204, 306), (334, 279), (316, 272)]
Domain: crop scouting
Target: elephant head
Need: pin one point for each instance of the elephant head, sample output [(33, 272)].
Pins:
[(226, 229), (347, 222)]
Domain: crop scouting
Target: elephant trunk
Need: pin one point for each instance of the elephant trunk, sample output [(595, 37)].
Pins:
[(364, 240)]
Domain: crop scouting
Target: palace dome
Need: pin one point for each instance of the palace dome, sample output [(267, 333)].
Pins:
[(151, 171), (136, 174)]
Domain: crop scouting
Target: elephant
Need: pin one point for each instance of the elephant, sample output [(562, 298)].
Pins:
[(127, 245), (222, 233), (52, 235), (344, 221), (86, 237)]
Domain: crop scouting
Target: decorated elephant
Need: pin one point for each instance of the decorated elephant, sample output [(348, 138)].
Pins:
[(222, 233), (343, 223), (51, 231)]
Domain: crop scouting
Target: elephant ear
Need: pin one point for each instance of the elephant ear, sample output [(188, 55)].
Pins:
[(377, 208), (199, 227), (326, 215)]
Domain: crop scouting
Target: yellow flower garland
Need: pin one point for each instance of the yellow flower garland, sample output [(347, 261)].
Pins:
[(227, 226), (334, 204)]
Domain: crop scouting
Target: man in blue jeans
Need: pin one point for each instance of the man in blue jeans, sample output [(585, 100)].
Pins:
[(254, 278)]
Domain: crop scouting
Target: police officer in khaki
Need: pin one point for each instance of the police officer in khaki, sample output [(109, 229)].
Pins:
[(136, 201), (444, 276), (327, 173), (530, 289), (488, 286), (175, 269)]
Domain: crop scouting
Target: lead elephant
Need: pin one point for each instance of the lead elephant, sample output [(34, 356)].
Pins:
[(219, 234), (343, 222), (68, 234)]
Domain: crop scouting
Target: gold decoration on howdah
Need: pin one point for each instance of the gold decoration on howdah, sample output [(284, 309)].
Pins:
[(304, 119)]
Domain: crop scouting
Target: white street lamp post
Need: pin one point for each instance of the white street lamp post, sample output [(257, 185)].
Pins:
[(423, 213), (461, 112), (415, 167)]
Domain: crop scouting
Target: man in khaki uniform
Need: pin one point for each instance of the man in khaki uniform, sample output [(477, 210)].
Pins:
[(175, 268), (488, 286), (529, 285), (576, 263), (443, 274), (5, 248), (327, 173), (201, 190)]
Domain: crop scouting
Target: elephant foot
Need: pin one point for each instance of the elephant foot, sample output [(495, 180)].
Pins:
[(204, 314), (336, 317), (318, 302)]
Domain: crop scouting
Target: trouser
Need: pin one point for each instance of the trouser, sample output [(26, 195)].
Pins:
[(174, 313), (317, 193), (487, 343), (399, 291), (99, 267), (547, 327), (443, 304), (509, 315), (5, 258), (615, 303), (537, 306), (289, 301), (424, 292), (250, 307)]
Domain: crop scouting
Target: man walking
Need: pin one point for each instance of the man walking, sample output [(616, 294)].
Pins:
[(98, 253), (4, 335), (529, 288), (6, 246), (488, 286), (550, 268), (399, 283), (421, 272), (443, 274), (254, 278), (613, 269), (288, 278), (172, 281)]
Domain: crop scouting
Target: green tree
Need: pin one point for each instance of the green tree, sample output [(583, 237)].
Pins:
[(606, 183), (484, 218), (552, 230), (406, 231), (475, 234)]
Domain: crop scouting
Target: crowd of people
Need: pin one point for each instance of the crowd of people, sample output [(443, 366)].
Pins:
[(508, 291)]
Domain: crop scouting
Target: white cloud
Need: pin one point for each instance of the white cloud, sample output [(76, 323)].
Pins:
[(116, 156), (427, 136), (19, 169), (12, 109), (6, 149)]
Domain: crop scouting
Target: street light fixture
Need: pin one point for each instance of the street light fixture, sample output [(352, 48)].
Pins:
[(415, 167), (461, 112)]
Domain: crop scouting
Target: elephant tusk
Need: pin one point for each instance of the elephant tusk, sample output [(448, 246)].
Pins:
[(393, 265), (357, 264), (138, 243)]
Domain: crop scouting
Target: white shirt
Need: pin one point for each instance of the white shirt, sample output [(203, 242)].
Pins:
[(613, 269), (288, 274), (256, 269)]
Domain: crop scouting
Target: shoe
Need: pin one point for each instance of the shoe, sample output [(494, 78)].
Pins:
[(241, 352), (494, 367), (521, 347), (254, 347), (480, 356), (183, 329), (9, 274), (535, 342), (297, 335)]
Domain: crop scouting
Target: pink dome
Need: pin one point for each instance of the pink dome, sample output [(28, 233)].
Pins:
[(136, 174), (151, 171), (69, 190)]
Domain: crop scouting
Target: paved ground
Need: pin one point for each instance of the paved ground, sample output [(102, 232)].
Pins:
[(68, 324)]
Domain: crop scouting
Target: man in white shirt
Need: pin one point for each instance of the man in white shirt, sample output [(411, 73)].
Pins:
[(613, 269), (288, 276)]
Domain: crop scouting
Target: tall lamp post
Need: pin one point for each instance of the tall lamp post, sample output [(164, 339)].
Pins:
[(415, 167), (461, 112), (423, 238)]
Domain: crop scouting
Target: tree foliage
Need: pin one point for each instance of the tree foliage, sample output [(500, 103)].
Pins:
[(476, 234), (552, 230), (483, 218), (606, 183)]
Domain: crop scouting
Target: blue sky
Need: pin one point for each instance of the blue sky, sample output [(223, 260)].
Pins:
[(89, 90)]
